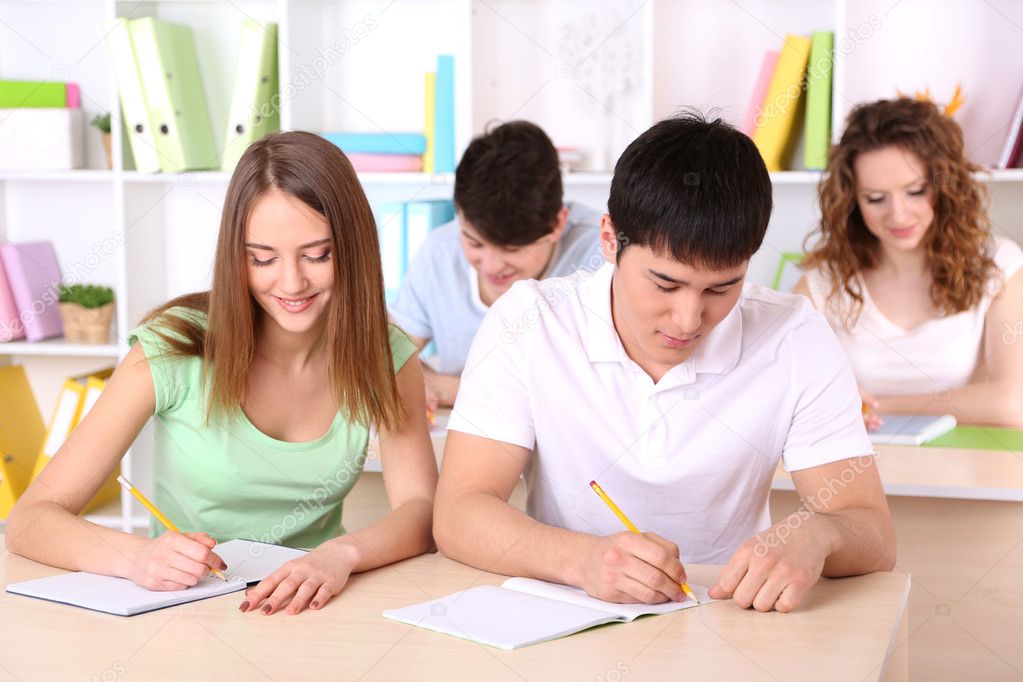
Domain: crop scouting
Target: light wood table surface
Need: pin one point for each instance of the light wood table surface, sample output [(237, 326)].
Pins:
[(843, 632)]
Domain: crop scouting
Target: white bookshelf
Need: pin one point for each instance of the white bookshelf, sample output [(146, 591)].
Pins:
[(593, 74)]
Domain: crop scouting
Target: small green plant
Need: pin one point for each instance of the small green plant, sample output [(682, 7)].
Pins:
[(101, 121), (86, 295)]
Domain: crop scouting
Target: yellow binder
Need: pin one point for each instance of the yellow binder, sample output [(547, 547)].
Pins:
[(782, 106), (429, 127), (21, 432), (76, 398)]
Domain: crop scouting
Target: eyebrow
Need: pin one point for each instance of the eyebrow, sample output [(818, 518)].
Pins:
[(264, 247), (906, 186), (683, 282)]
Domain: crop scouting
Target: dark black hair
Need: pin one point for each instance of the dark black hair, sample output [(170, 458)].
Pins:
[(508, 184), (695, 190)]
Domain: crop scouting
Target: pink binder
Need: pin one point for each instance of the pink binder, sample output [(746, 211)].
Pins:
[(749, 123), (386, 163), (74, 96), (34, 277), (11, 328)]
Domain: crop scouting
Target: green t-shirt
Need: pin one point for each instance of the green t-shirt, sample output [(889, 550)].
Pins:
[(231, 480)]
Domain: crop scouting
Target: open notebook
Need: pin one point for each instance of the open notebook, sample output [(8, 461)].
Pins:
[(900, 429), (523, 611), (247, 562)]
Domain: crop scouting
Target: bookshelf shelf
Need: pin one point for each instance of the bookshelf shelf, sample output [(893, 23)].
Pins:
[(594, 75)]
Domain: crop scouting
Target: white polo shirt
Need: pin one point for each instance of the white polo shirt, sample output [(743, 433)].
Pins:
[(691, 457)]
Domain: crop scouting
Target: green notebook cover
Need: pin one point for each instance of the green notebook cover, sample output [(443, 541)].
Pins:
[(32, 95), (818, 101), (172, 85), (255, 105), (980, 438)]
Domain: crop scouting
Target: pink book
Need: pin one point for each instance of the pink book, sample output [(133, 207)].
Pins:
[(73, 96), (11, 328), (34, 277), (386, 163), (756, 103)]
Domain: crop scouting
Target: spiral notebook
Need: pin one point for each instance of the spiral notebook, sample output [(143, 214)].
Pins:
[(247, 562), (523, 611)]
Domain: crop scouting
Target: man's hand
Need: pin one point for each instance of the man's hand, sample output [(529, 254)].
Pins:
[(631, 568), (775, 569)]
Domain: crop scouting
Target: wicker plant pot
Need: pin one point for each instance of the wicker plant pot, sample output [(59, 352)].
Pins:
[(108, 147), (86, 325)]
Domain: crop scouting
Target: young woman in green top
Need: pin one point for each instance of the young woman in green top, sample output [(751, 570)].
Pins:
[(263, 390)]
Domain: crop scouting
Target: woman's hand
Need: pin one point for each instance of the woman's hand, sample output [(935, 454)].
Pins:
[(175, 561), (310, 581), (871, 417)]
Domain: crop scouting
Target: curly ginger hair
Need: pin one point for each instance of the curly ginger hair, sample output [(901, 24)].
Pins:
[(959, 236)]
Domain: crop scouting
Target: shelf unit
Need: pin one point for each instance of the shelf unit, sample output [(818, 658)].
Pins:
[(593, 74)]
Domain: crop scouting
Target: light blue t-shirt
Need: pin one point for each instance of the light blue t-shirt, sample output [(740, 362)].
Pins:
[(440, 296)]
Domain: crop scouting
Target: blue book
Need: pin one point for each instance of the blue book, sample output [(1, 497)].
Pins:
[(378, 143), (444, 115)]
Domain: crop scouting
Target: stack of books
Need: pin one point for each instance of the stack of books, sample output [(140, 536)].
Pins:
[(402, 227), (29, 292)]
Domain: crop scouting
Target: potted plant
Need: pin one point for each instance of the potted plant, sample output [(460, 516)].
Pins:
[(102, 123), (86, 310)]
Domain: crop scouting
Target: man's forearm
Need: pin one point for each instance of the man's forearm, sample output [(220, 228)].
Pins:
[(863, 542), (486, 532)]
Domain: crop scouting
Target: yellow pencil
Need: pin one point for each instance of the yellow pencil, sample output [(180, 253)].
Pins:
[(632, 527), (127, 485)]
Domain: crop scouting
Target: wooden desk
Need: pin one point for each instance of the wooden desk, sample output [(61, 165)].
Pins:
[(943, 472), (844, 632)]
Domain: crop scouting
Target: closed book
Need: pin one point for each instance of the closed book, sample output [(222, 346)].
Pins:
[(756, 102), (32, 95), (386, 163), (902, 429), (34, 278), (430, 87), (74, 96), (378, 143), (444, 116), (817, 125), (1012, 149), (781, 111), (172, 85)]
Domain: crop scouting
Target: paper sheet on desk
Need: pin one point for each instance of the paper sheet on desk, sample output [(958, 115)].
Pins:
[(247, 562)]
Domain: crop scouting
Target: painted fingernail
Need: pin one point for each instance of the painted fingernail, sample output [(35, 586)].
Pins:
[(244, 606), (315, 604), (267, 609)]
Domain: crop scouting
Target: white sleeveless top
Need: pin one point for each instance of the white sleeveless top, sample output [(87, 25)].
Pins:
[(936, 356)]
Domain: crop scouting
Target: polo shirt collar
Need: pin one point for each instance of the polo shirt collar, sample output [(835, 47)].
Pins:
[(718, 353)]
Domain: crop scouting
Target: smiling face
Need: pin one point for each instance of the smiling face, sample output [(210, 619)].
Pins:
[(501, 266), (290, 273), (894, 197), (663, 308)]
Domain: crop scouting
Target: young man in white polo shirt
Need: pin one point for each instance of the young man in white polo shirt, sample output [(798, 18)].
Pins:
[(678, 388)]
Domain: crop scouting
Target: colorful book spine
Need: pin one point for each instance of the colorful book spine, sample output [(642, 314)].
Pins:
[(74, 96), (429, 156), (776, 137), (378, 143), (33, 95), (34, 277), (444, 115), (756, 102), (386, 163), (817, 125)]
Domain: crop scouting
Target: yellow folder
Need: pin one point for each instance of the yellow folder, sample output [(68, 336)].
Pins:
[(430, 126), (782, 106), (255, 106), (76, 398), (21, 432)]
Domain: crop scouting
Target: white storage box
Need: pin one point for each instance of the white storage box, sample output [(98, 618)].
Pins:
[(40, 139)]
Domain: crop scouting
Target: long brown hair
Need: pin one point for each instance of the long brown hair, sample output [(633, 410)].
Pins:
[(959, 237), (359, 366)]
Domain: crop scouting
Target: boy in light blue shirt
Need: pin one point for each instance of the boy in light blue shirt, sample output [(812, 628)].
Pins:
[(511, 225)]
